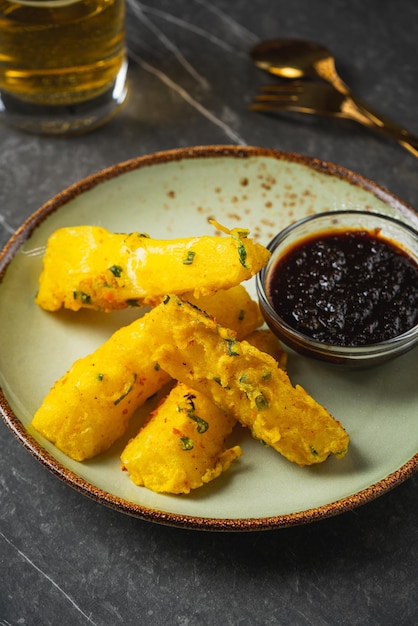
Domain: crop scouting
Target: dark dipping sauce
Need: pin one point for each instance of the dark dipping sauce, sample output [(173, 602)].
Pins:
[(346, 288)]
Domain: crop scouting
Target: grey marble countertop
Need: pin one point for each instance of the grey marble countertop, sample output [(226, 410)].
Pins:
[(66, 559)]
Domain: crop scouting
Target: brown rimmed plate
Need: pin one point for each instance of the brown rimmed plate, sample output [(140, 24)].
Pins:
[(171, 194)]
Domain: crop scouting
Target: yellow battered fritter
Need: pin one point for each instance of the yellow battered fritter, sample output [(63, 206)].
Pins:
[(247, 383), (182, 446), (90, 267), (89, 408)]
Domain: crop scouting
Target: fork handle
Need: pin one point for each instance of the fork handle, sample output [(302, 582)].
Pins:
[(384, 123), (408, 145), (391, 130), (368, 116), (379, 121)]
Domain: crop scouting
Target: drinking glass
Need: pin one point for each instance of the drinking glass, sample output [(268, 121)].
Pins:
[(62, 63)]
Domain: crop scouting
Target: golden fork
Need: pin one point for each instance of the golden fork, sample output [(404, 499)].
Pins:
[(323, 99)]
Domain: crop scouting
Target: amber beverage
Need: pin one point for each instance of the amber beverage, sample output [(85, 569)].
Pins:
[(62, 62)]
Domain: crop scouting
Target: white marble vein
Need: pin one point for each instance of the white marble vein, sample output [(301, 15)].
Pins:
[(168, 44), (5, 225), (139, 9), (229, 132), (168, 17), (48, 578), (240, 30)]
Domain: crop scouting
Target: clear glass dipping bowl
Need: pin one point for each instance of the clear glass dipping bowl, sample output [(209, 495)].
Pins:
[(401, 234)]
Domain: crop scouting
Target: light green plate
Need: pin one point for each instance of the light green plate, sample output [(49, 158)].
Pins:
[(173, 194)]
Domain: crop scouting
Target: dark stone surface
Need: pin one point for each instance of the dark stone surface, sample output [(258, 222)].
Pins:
[(67, 560)]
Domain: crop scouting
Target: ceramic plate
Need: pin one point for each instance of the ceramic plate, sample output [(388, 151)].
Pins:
[(173, 194)]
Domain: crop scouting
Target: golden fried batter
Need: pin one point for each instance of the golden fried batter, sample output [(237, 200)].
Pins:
[(182, 446), (90, 267), (247, 383)]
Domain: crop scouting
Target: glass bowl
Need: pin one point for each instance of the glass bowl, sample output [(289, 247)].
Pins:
[(385, 227)]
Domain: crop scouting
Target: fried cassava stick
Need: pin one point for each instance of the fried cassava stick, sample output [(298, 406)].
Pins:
[(247, 383), (182, 445), (89, 408), (90, 267)]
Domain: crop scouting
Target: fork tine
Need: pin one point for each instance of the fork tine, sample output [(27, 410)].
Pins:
[(271, 102), (264, 107), (281, 94), (304, 97), (281, 98), (289, 87), (280, 105), (277, 106), (284, 95)]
